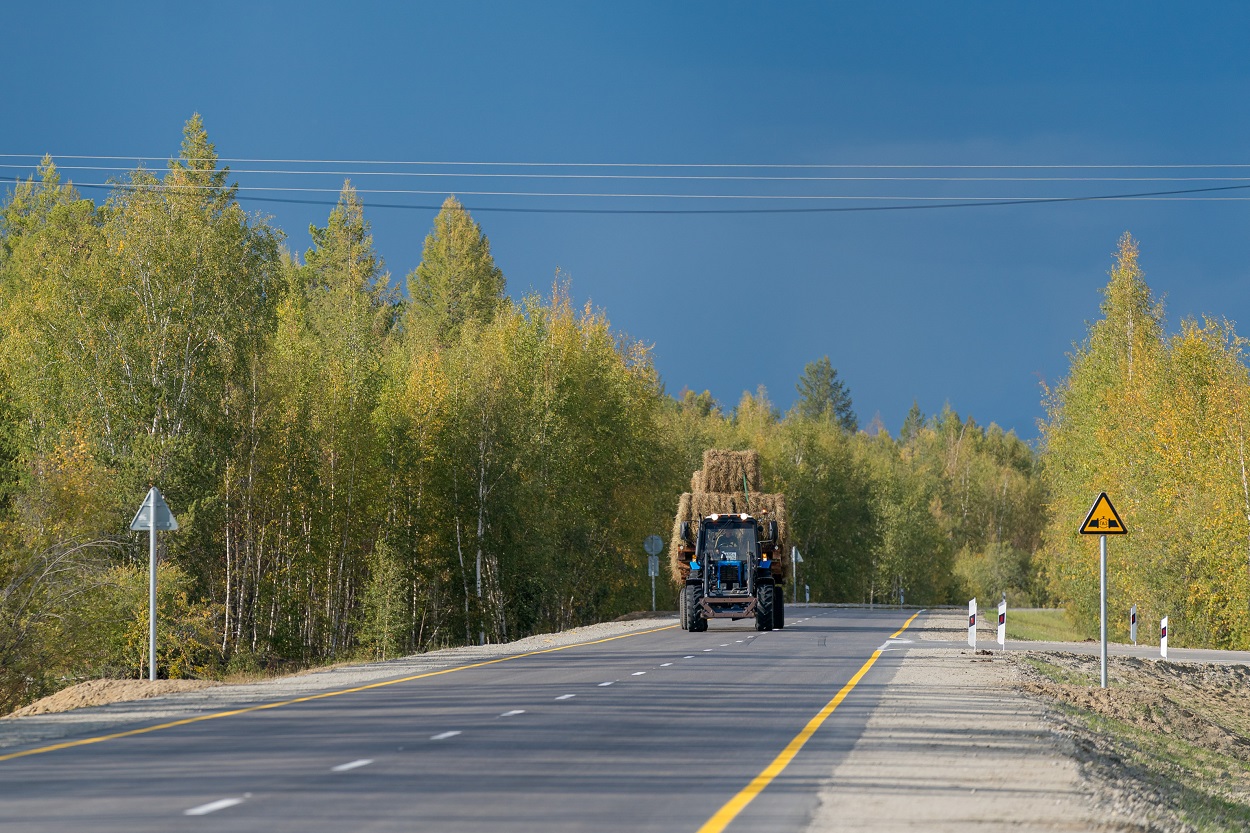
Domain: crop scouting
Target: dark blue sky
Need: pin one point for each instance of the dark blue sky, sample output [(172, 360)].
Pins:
[(972, 306)]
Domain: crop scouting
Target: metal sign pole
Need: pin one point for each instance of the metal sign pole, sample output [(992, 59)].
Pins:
[(1102, 572), (653, 592), (152, 595)]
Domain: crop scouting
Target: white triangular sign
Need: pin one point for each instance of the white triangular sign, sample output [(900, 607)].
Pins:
[(165, 520)]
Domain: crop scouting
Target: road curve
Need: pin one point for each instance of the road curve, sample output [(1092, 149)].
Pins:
[(654, 731)]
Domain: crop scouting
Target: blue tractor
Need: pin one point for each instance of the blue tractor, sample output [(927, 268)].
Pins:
[(731, 559)]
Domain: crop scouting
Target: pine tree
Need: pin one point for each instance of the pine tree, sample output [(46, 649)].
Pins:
[(822, 395), (457, 282)]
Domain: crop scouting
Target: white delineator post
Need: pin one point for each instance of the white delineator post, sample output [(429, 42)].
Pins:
[(972, 623), (1132, 624), (1163, 638), (1002, 623)]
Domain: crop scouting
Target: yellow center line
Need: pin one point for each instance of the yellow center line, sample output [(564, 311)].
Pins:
[(200, 718), (739, 802)]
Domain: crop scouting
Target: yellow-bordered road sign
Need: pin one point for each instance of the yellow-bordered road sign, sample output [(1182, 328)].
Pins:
[(1103, 519)]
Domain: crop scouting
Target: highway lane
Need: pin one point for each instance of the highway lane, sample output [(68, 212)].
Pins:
[(648, 732)]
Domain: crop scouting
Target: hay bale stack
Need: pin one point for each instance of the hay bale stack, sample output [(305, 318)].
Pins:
[(694, 507), (723, 471), (696, 482)]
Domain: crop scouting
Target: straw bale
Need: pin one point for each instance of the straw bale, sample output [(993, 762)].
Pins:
[(723, 471), (694, 507), (697, 482)]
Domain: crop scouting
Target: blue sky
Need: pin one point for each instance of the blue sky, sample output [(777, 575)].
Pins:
[(973, 306)]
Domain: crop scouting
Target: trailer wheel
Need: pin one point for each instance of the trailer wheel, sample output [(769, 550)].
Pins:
[(694, 622), (779, 610), (764, 608)]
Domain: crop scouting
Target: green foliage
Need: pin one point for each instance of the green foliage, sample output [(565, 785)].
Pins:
[(359, 474), (822, 395), (457, 282), (1160, 424)]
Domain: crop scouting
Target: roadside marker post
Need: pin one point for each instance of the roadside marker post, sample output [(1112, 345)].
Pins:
[(972, 624), (1102, 521), (1163, 638), (154, 514), (1132, 624), (1002, 622)]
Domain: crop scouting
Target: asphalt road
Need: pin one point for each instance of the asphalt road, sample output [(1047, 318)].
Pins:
[(654, 731)]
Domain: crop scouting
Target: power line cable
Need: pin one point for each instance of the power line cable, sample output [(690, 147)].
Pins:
[(932, 203), (673, 177), (726, 165)]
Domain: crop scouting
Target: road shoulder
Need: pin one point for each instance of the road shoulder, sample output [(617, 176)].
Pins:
[(18, 732), (955, 746)]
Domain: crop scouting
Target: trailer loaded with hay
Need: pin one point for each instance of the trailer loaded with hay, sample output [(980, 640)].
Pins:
[(728, 551)]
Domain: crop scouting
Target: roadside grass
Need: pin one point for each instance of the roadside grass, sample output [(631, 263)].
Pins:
[(1199, 781), (1178, 742), (1058, 674), (1042, 626)]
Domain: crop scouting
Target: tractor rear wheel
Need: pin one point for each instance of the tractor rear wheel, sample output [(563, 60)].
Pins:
[(764, 608), (694, 622)]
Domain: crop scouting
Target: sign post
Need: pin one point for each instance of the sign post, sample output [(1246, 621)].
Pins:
[(796, 558), (653, 544), (1102, 521), (972, 624), (153, 515)]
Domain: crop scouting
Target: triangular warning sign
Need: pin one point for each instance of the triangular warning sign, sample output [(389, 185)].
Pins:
[(1103, 519)]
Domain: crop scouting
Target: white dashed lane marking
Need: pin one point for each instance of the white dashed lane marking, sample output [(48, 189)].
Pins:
[(513, 713), (352, 765), (665, 664), (705, 650), (566, 696), (444, 735), (212, 807), (638, 673), (601, 685), (688, 656)]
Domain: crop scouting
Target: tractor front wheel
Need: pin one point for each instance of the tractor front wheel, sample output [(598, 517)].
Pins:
[(764, 608)]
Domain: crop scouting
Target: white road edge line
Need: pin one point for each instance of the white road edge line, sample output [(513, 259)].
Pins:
[(566, 696), (444, 735), (212, 807), (352, 765), (513, 713)]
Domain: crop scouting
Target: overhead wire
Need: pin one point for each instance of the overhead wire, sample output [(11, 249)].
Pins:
[(925, 201), (1207, 174)]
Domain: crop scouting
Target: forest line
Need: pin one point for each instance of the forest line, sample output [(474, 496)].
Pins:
[(362, 473)]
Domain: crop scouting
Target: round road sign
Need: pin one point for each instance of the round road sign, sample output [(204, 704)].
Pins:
[(653, 544)]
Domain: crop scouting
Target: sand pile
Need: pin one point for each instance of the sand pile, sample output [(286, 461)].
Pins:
[(102, 692)]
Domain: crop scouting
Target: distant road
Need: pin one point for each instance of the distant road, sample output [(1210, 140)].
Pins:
[(649, 732)]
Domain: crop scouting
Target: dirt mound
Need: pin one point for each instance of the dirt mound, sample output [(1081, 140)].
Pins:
[(1173, 734), (102, 692)]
